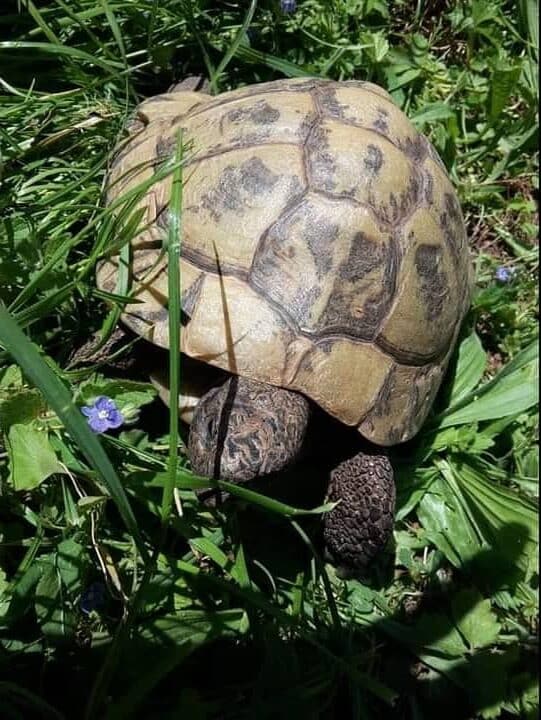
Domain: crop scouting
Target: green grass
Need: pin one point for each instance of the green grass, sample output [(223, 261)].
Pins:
[(229, 612)]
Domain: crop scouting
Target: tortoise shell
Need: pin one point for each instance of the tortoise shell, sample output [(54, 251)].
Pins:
[(323, 245)]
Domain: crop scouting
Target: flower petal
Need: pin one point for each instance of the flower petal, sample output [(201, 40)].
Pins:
[(104, 403), (98, 424), (115, 418)]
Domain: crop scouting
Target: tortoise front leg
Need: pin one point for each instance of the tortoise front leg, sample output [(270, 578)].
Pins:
[(244, 429), (358, 528)]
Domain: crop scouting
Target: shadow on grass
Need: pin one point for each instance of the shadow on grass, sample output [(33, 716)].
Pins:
[(244, 653)]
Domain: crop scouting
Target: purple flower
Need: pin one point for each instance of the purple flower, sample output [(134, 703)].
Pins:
[(503, 274), (103, 414), (92, 598), (288, 6)]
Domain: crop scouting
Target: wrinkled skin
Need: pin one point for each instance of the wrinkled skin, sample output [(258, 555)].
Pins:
[(243, 430), (361, 524)]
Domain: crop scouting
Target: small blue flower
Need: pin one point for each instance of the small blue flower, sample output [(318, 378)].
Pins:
[(503, 274), (92, 598), (103, 414), (288, 6)]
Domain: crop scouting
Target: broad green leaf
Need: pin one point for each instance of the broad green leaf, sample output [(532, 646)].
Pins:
[(20, 408), (399, 79), (502, 84), (411, 485), (447, 525), (462, 438), (56, 619), (475, 619), (207, 547), (530, 18), (514, 390), (17, 602), (470, 367), (508, 521), (431, 113), (360, 597), (380, 47), (11, 377), (70, 561), (435, 631), (31, 458)]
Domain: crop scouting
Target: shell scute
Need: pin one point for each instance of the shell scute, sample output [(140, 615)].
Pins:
[(333, 275), (362, 165)]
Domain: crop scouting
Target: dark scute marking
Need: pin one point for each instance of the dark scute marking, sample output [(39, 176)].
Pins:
[(428, 187), (399, 204), (150, 318), (319, 235), (260, 113), (321, 163), (365, 256), (190, 296), (287, 284), (144, 259), (381, 123), (162, 217), (329, 103), (237, 185), (420, 396), (306, 126), (452, 225), (382, 406), (415, 148), (165, 148), (433, 282), (373, 160), (325, 346), (177, 119)]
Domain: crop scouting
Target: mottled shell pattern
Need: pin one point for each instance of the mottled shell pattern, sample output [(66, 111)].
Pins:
[(323, 246)]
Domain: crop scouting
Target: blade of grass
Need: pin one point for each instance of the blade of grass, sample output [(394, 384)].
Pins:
[(289, 69), (173, 280), (519, 362), (112, 66), (26, 355), (40, 22), (230, 54), (115, 29), (188, 12)]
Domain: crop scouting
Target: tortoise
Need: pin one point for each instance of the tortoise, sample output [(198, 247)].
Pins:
[(324, 262)]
